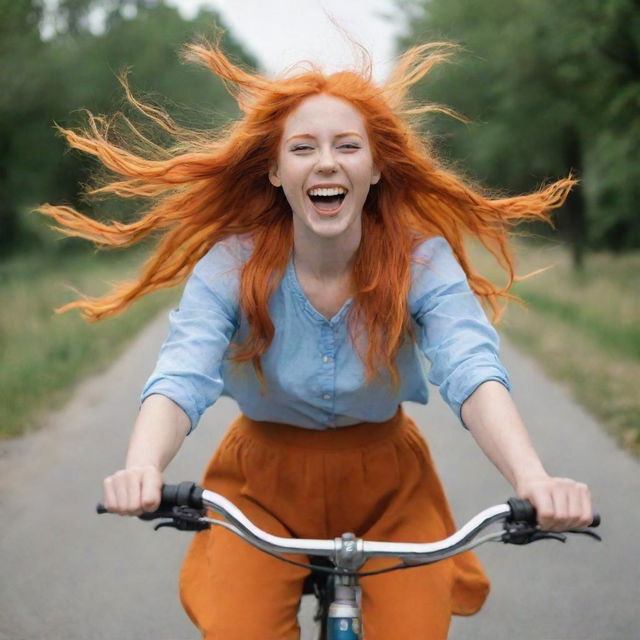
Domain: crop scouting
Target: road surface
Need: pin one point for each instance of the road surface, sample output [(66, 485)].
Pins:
[(69, 574)]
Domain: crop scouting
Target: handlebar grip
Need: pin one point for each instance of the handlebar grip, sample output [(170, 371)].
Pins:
[(185, 494), (524, 511)]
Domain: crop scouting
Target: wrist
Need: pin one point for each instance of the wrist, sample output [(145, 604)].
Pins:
[(530, 476), (141, 465)]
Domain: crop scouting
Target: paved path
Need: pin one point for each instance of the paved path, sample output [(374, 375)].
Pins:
[(68, 574)]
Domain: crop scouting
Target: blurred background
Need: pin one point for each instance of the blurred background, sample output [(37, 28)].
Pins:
[(549, 88)]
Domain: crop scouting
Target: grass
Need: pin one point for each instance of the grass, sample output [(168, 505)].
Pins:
[(42, 355), (584, 329)]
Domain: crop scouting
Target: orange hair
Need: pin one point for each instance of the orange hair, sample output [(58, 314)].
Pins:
[(209, 186)]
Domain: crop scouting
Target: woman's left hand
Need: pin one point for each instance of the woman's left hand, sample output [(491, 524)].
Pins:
[(561, 503)]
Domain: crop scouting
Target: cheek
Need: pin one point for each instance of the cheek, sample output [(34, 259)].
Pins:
[(291, 195), (292, 173), (361, 171), (292, 189), (363, 181)]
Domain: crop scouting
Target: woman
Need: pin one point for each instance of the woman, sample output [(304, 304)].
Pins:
[(326, 251)]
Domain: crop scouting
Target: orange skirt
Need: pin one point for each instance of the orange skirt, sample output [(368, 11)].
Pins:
[(376, 480)]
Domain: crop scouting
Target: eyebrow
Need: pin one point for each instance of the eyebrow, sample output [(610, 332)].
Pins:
[(340, 135)]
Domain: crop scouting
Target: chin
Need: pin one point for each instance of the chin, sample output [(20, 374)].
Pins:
[(330, 228), (327, 226)]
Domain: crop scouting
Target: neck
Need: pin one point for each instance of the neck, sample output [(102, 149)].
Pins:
[(325, 258)]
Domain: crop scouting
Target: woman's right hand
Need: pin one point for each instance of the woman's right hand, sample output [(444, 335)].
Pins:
[(132, 491)]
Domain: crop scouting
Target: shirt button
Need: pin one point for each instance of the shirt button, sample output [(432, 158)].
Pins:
[(326, 358), (326, 396)]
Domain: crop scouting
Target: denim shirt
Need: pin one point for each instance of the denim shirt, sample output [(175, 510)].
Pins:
[(315, 378)]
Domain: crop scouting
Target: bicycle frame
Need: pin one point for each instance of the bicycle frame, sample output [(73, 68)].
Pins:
[(344, 619)]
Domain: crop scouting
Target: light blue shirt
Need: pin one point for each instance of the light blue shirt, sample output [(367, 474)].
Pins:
[(315, 378)]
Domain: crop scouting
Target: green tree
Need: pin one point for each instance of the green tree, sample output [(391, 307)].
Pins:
[(148, 46), (53, 80), (550, 88), (20, 45)]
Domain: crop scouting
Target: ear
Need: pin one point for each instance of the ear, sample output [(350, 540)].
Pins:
[(274, 177), (376, 174)]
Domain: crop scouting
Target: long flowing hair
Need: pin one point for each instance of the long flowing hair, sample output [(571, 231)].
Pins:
[(208, 186)]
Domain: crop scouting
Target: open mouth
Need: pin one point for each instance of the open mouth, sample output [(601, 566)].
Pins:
[(327, 200)]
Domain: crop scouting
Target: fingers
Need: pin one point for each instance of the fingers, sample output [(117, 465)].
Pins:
[(151, 491), (132, 491), (545, 509), (561, 503), (110, 500), (586, 516)]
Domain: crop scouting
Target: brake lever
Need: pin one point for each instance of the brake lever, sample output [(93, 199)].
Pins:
[(180, 517), (586, 532), (548, 535), (524, 533), (155, 515), (182, 525)]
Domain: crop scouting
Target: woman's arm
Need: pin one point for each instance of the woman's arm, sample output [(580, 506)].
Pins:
[(494, 421), (158, 433), (186, 380)]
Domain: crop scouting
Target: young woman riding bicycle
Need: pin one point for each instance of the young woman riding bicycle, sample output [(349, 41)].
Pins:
[(322, 245)]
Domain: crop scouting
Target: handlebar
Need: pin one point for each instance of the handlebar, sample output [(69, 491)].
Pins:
[(524, 511), (185, 494), (185, 505)]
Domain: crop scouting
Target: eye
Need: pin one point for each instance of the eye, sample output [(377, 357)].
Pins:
[(351, 146), (301, 147)]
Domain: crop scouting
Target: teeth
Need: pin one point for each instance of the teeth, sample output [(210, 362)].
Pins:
[(331, 191)]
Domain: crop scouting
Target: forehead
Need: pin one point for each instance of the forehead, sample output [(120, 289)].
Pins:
[(324, 114)]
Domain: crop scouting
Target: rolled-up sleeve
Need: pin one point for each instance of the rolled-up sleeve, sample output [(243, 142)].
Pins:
[(454, 332), (188, 370)]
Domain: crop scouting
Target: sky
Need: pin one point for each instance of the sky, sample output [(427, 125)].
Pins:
[(282, 32)]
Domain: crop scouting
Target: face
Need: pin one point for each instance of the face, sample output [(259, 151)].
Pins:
[(324, 166)]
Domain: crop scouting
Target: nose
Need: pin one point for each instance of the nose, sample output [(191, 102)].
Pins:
[(326, 161)]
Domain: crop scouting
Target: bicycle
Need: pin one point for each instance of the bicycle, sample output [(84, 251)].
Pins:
[(334, 563)]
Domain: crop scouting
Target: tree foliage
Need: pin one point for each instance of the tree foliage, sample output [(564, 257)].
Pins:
[(550, 88), (47, 80)]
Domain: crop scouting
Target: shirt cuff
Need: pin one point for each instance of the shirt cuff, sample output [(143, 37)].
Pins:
[(180, 396), (456, 392)]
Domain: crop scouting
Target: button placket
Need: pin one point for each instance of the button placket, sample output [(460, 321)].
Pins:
[(328, 377)]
